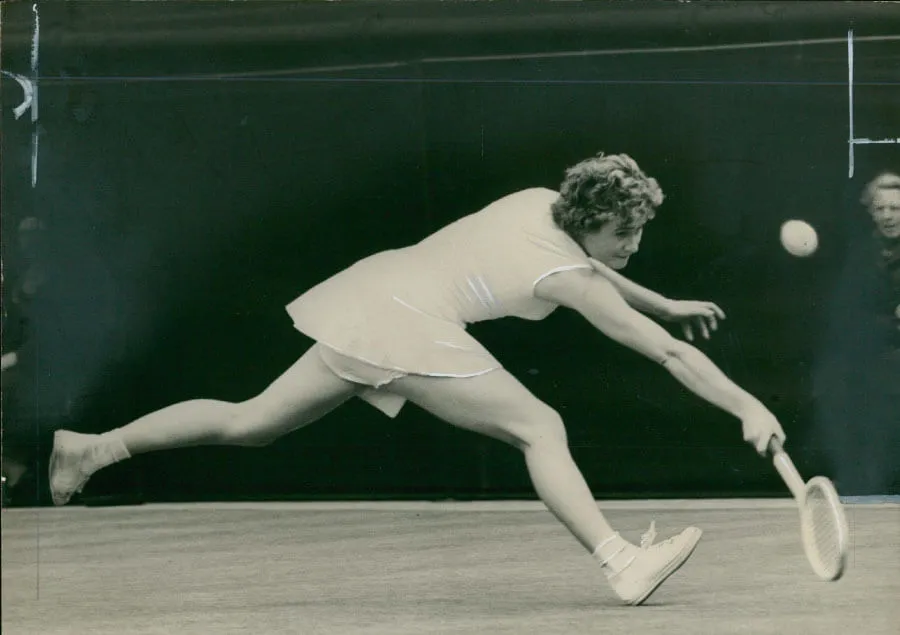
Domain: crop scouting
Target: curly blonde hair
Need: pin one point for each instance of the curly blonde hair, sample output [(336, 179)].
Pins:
[(602, 188)]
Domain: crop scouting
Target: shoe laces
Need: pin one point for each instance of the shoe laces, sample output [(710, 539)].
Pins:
[(647, 541), (649, 536)]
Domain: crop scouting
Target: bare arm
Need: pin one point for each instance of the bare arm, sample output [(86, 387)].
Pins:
[(691, 314), (595, 297), (634, 294)]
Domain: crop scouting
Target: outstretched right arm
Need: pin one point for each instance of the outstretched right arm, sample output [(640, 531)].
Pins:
[(597, 300)]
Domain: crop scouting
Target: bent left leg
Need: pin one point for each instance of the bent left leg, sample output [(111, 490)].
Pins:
[(497, 405)]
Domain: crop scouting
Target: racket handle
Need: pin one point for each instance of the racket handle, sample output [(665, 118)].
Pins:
[(786, 469), (775, 446)]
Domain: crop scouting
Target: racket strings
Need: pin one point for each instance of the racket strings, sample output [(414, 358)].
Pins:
[(826, 529)]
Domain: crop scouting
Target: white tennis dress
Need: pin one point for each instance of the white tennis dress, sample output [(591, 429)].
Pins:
[(406, 310)]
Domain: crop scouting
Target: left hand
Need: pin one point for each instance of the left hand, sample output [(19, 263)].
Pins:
[(692, 313)]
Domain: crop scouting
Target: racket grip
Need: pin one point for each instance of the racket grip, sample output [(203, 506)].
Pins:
[(786, 469), (775, 446)]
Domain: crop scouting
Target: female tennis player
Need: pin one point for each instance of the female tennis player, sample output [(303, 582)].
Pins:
[(392, 328)]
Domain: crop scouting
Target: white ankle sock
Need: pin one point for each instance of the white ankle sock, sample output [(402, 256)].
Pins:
[(614, 554), (108, 448)]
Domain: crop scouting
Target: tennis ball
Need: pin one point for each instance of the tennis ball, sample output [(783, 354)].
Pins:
[(799, 238)]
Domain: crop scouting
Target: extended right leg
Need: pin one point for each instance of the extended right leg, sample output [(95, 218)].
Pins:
[(304, 393)]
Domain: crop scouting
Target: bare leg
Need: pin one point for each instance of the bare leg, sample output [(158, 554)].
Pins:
[(304, 393), (497, 405)]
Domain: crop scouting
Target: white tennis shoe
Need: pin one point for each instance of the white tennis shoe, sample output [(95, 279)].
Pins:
[(70, 466), (636, 572)]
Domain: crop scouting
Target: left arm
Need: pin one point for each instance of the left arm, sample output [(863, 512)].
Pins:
[(690, 313), (635, 295)]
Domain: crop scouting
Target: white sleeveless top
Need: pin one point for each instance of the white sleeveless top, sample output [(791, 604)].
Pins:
[(407, 309)]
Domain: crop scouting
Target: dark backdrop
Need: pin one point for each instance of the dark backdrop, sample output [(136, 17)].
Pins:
[(201, 164)]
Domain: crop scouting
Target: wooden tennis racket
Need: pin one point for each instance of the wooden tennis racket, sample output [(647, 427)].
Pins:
[(823, 525)]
